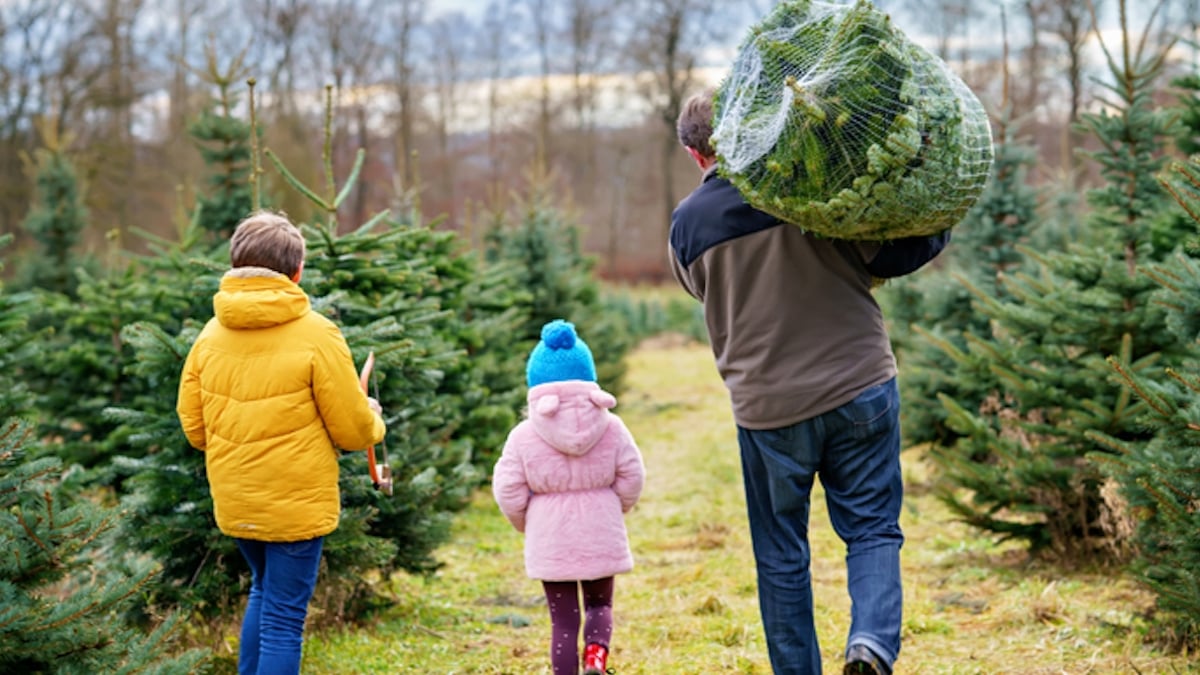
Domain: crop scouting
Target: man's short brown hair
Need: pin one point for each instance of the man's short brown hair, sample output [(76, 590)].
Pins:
[(694, 126), (267, 239)]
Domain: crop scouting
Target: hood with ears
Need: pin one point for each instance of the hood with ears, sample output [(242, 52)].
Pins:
[(570, 415)]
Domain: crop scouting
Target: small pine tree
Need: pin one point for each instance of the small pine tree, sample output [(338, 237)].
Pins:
[(18, 346), (1024, 458), (224, 140), (542, 246), (57, 614), (1160, 479), (1177, 225), (83, 370), (56, 220)]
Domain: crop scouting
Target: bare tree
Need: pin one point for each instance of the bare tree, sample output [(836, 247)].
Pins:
[(181, 20), (449, 36), (592, 43), (110, 164), (1034, 11), (493, 47), (540, 21), (347, 42), (279, 26), (404, 17), (665, 46), (31, 37), (1068, 20)]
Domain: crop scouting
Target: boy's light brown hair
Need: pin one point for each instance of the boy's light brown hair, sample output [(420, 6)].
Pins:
[(270, 240), (694, 126)]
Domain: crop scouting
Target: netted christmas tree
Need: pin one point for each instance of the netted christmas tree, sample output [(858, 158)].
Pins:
[(59, 611), (831, 118), (932, 317), (1023, 468)]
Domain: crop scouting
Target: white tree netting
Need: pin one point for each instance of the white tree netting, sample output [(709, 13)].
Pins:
[(832, 119)]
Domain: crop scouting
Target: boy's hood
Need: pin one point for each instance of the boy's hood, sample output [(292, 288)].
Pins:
[(256, 297), (570, 415)]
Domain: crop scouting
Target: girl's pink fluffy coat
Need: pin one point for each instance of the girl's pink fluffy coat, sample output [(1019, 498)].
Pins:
[(568, 474)]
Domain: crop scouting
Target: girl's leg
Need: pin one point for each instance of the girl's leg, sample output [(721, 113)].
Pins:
[(597, 605), (255, 554), (562, 598), (291, 576)]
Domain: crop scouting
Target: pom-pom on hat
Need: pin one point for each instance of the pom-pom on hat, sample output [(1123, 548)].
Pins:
[(560, 355)]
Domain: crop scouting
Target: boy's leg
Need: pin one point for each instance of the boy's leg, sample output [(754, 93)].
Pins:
[(778, 468), (864, 491), (597, 607), (562, 599), (291, 577), (255, 554)]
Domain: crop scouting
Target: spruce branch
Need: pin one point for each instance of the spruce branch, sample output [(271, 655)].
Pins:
[(295, 182), (99, 604), (352, 179), (1158, 404), (1193, 385)]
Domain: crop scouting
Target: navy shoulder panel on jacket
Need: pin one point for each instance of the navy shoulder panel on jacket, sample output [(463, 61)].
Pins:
[(899, 257), (713, 213)]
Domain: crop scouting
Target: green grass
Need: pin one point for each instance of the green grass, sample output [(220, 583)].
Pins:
[(690, 604)]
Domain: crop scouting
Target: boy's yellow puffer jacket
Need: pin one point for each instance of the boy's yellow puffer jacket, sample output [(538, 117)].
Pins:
[(269, 392)]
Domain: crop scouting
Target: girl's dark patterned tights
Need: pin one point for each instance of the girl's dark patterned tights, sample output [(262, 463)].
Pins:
[(562, 597)]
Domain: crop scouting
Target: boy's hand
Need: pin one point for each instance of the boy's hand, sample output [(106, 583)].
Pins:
[(375, 405)]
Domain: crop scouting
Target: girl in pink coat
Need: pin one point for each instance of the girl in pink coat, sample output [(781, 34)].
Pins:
[(568, 474)]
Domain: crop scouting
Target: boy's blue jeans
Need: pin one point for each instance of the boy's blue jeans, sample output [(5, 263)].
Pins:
[(284, 577), (856, 451)]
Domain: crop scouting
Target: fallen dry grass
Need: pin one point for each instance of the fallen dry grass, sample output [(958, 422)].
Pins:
[(690, 605)]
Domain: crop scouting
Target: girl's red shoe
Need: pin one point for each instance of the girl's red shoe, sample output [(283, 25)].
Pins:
[(595, 658)]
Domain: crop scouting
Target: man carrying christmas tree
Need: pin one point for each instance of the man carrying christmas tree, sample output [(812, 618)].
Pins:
[(801, 345)]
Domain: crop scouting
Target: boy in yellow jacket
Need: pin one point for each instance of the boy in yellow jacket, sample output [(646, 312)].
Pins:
[(269, 393)]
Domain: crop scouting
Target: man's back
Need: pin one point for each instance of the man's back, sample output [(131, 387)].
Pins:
[(792, 322)]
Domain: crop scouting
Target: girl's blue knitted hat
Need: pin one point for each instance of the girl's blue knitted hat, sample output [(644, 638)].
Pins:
[(560, 355)]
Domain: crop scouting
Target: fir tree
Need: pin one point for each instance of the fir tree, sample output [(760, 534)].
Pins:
[(18, 346), (58, 615), (1160, 479), (224, 140), (56, 220), (541, 243), (84, 367), (1178, 225), (1024, 456)]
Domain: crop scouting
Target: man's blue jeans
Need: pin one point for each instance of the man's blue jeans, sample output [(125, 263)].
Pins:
[(856, 451), (285, 575)]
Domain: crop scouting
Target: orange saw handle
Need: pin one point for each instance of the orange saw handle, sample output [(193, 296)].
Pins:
[(381, 475)]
